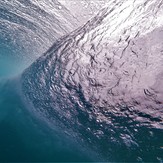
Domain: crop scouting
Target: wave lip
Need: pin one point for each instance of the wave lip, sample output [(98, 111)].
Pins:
[(103, 81)]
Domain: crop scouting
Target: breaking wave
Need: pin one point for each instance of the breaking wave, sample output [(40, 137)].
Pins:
[(102, 83), (28, 28)]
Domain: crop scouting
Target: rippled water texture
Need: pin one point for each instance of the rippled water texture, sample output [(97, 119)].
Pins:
[(98, 87)]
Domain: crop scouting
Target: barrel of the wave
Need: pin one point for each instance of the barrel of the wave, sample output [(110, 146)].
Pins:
[(102, 82)]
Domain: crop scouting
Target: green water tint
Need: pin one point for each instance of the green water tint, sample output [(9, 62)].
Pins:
[(23, 138), (9, 65)]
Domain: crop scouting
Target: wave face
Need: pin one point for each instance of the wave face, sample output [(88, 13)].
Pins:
[(29, 27), (103, 82)]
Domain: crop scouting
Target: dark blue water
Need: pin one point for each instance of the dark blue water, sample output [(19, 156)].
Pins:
[(95, 95), (25, 138)]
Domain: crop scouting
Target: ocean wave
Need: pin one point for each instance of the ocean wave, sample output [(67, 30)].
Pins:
[(28, 28), (103, 82)]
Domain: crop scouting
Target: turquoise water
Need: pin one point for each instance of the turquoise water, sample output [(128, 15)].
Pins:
[(25, 138), (48, 117)]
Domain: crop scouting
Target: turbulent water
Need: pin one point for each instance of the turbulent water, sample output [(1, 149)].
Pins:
[(29, 28), (101, 85)]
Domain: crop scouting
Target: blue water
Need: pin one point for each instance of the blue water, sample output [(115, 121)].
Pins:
[(80, 100), (23, 138)]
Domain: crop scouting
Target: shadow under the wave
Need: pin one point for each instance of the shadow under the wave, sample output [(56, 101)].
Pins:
[(23, 138)]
